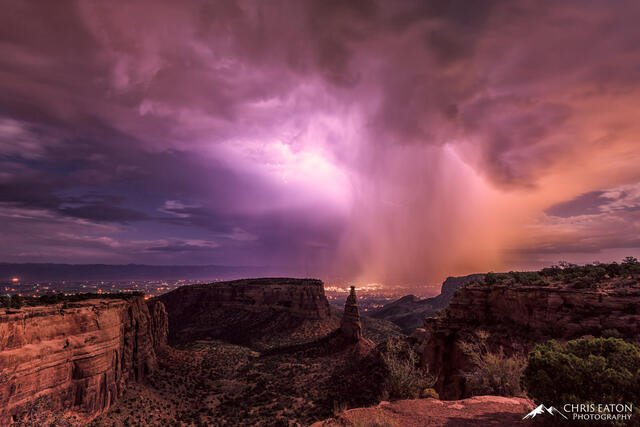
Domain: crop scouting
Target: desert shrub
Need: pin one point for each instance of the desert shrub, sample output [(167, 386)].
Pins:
[(404, 379), (5, 301), (490, 278), (553, 271), (429, 392), (583, 283), (611, 333), (41, 413), (593, 273), (339, 407), (493, 372), (583, 370), (17, 301)]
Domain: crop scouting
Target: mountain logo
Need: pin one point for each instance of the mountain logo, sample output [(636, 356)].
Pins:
[(540, 410)]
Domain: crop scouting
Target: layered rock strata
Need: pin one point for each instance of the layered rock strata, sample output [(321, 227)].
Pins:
[(76, 357), (260, 313), (516, 318)]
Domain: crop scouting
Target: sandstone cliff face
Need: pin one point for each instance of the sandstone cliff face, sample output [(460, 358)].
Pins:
[(516, 318), (159, 323), (260, 313), (77, 358)]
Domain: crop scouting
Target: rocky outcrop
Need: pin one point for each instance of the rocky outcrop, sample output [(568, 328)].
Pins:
[(75, 357), (481, 410), (259, 313), (350, 326), (449, 288), (410, 311), (516, 318), (159, 328)]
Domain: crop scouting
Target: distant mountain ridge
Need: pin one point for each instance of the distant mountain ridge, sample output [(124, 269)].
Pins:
[(410, 311), (51, 271)]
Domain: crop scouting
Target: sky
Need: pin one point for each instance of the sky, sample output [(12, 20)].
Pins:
[(397, 142)]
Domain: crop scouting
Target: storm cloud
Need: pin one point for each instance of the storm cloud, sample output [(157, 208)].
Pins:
[(366, 140)]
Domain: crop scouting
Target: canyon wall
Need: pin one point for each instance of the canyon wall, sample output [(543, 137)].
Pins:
[(260, 313), (518, 317), (77, 357)]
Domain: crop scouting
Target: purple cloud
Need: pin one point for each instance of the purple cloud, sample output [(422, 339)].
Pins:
[(391, 141)]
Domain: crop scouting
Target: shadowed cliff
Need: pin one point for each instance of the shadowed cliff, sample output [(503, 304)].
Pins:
[(258, 313)]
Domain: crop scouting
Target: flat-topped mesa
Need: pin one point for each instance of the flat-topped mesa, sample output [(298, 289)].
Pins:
[(75, 357), (350, 326), (261, 313)]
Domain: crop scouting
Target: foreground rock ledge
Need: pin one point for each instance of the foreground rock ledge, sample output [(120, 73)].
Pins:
[(475, 411), (78, 358)]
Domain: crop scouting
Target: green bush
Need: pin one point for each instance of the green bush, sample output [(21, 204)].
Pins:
[(584, 370), (404, 379), (493, 372)]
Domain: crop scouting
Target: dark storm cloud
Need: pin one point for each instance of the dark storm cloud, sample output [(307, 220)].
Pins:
[(585, 204), (300, 131), (180, 248)]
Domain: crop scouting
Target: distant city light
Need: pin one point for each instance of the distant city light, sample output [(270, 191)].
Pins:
[(15, 280)]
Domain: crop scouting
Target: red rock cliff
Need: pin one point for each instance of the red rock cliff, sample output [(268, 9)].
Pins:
[(517, 317), (79, 357), (261, 313)]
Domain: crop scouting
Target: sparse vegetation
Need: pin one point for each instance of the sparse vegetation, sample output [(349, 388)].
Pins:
[(41, 414), (588, 276), (494, 372), (584, 370), (404, 378), (18, 301)]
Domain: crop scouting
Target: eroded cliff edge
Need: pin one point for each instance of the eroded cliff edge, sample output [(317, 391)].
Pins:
[(259, 313), (77, 357), (516, 317)]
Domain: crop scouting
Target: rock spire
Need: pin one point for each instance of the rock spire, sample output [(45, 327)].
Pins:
[(350, 325)]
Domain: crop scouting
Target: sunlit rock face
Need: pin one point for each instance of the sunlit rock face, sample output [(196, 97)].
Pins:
[(518, 317), (78, 357), (260, 313), (480, 410), (350, 325)]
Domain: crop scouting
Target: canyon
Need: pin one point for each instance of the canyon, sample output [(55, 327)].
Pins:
[(200, 353), (76, 357)]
